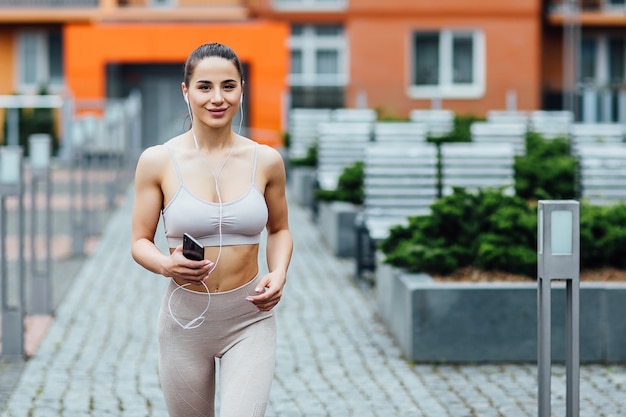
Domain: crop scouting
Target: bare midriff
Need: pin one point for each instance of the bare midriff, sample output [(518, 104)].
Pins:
[(237, 265)]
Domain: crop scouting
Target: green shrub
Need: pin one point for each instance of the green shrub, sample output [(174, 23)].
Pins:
[(547, 170), (487, 229), (310, 160), (602, 236), (493, 231), (349, 186), (38, 120)]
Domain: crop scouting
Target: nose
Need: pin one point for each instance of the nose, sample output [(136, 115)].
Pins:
[(217, 96)]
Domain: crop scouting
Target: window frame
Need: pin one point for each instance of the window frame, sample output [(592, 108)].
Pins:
[(42, 64), (446, 88), (309, 43)]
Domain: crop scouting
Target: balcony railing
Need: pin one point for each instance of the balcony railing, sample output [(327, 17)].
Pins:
[(558, 6), (48, 3), (308, 5)]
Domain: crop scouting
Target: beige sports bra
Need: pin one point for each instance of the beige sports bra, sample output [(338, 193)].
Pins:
[(243, 219)]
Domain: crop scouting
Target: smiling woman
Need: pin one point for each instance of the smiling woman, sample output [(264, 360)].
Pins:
[(223, 190)]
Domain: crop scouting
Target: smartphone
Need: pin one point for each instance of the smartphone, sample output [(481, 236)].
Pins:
[(192, 249)]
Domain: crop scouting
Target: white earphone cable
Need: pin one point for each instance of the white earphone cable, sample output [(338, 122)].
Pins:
[(196, 322)]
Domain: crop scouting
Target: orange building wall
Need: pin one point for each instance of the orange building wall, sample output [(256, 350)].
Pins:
[(380, 62), (6, 62), (446, 7), (6, 70), (262, 45)]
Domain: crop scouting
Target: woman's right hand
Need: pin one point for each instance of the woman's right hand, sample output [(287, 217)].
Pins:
[(183, 269)]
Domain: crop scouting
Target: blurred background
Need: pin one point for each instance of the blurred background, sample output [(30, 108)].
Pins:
[(392, 56)]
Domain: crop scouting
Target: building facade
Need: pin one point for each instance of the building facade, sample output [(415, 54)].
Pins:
[(393, 56)]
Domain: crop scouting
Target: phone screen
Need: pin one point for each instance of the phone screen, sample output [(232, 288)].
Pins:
[(192, 249)]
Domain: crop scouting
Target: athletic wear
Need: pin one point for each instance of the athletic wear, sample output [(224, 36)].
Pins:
[(235, 332), (243, 219)]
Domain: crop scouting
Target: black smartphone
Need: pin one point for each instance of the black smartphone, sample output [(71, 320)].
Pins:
[(192, 249)]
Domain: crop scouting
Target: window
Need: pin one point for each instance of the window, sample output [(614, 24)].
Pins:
[(40, 61), (601, 75), (318, 55), (588, 60), (448, 64), (617, 61)]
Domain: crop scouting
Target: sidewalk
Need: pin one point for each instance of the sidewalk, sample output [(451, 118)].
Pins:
[(334, 358)]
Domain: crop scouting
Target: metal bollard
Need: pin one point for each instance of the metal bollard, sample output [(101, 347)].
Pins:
[(558, 258), (79, 232), (41, 287), (11, 184)]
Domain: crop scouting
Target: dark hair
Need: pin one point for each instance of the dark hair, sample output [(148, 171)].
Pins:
[(209, 50)]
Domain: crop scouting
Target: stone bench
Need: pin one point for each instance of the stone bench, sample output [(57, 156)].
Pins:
[(602, 173), (399, 181), (496, 133), (477, 166)]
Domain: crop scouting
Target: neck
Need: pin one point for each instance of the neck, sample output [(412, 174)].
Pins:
[(213, 140)]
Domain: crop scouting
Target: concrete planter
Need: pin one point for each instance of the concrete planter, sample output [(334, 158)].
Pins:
[(302, 185), (495, 322), (336, 224)]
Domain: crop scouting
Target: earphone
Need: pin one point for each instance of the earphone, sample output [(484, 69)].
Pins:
[(240, 109), (197, 322)]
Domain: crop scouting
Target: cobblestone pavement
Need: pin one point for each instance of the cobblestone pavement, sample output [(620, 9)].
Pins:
[(99, 357)]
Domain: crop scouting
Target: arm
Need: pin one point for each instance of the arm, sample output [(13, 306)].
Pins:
[(145, 219), (279, 240)]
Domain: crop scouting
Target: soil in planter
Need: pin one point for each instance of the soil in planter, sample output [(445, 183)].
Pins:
[(471, 274)]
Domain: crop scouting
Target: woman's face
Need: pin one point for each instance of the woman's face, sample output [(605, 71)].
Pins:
[(214, 92)]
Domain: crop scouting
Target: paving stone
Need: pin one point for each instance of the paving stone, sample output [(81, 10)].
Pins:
[(334, 358)]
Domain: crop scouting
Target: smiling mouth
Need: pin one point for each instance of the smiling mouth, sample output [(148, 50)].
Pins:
[(217, 112)]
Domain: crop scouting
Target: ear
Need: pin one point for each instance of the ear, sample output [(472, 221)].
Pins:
[(184, 88)]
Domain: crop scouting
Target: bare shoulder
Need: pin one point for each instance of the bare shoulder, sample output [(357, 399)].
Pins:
[(152, 160), (270, 157)]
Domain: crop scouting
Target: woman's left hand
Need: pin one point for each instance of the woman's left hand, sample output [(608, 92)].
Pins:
[(269, 290)]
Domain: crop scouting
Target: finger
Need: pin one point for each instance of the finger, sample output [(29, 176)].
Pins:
[(201, 266), (262, 286)]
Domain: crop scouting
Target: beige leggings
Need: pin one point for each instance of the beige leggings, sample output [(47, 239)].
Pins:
[(235, 332)]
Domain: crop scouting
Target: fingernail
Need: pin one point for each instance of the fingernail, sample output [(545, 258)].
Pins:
[(249, 298)]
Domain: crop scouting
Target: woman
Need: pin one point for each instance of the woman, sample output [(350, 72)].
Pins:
[(222, 189)]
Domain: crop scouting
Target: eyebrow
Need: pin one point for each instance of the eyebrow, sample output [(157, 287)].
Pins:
[(209, 82)]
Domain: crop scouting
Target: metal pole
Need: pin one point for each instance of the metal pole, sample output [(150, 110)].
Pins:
[(544, 343), (13, 126), (78, 229), (572, 374), (571, 42), (558, 257), (89, 170), (12, 315), (41, 287)]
